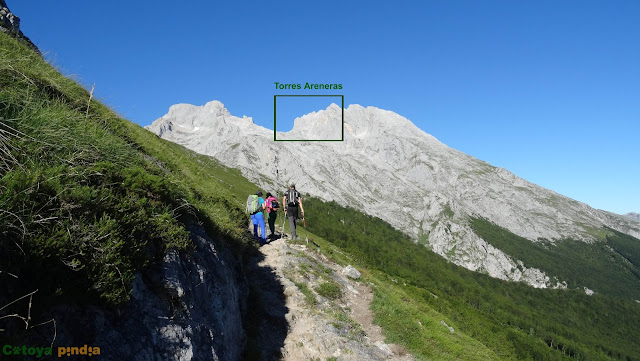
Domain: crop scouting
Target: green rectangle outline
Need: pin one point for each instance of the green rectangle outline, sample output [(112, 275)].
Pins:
[(306, 140)]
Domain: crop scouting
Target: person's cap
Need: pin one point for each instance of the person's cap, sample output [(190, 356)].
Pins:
[(259, 193)]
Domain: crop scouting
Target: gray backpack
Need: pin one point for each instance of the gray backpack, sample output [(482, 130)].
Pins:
[(253, 204), (292, 197)]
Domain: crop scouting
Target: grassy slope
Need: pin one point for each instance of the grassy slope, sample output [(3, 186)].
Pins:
[(88, 198)]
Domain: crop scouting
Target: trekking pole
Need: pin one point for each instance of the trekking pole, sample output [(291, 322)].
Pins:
[(283, 218), (304, 224)]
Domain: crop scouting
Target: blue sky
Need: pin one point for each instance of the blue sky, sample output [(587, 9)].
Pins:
[(549, 90)]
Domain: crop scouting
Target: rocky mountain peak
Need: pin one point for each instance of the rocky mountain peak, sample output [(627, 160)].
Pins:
[(188, 118), (633, 215), (323, 124), (359, 122)]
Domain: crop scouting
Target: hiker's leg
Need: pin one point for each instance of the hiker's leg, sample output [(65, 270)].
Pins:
[(263, 229), (254, 220), (272, 222), (292, 226)]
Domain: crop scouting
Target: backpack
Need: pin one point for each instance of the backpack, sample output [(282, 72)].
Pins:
[(253, 204), (292, 197), (275, 204), (271, 204)]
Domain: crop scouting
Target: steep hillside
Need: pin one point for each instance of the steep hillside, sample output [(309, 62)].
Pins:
[(110, 236), (391, 169)]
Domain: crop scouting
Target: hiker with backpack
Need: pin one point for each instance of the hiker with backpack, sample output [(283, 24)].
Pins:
[(272, 206), (292, 201), (255, 206)]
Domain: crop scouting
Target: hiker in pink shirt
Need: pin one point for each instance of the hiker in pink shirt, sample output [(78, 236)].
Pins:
[(271, 208)]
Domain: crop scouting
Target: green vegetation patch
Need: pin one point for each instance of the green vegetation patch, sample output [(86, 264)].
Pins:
[(309, 297), (626, 246), (611, 266), (342, 321), (410, 322), (329, 290)]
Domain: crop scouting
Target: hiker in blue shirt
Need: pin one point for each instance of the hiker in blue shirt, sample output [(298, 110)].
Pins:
[(255, 205)]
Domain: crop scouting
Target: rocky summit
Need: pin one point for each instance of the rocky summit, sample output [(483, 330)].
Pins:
[(391, 169), (633, 215)]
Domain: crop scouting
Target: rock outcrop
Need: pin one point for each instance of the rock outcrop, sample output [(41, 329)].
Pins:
[(189, 307), (10, 24), (389, 168), (351, 272), (8, 20)]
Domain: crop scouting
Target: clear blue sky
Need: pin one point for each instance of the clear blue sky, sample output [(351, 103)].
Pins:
[(549, 90)]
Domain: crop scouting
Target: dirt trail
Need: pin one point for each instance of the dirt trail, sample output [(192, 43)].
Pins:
[(319, 327)]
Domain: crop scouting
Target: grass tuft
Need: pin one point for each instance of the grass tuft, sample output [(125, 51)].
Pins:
[(329, 290)]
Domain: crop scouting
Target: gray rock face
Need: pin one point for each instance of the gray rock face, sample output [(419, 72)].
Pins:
[(10, 24), (633, 215), (188, 308), (389, 168), (351, 272), (8, 20)]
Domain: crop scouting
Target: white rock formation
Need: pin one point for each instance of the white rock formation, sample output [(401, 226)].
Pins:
[(389, 168), (351, 272), (588, 291)]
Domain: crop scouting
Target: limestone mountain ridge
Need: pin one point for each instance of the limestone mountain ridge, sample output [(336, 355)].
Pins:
[(391, 169)]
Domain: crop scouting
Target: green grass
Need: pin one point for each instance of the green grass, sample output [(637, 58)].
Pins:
[(329, 290), (343, 321), (409, 322), (309, 297), (87, 198)]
